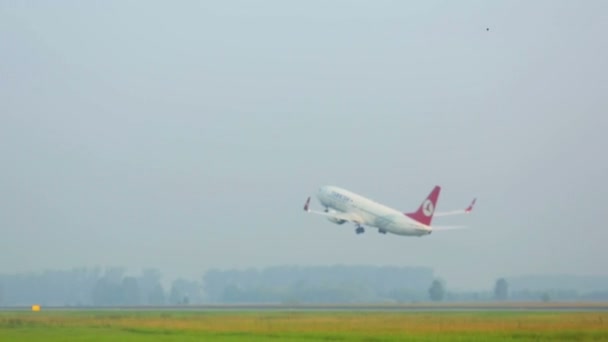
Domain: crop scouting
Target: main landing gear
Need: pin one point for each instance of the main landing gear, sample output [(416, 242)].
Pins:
[(360, 230)]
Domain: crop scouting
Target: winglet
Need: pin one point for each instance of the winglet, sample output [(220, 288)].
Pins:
[(307, 204), (470, 207), (424, 214)]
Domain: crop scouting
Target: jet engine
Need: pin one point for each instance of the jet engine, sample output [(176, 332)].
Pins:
[(335, 220)]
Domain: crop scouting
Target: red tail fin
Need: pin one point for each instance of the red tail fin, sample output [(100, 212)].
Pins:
[(424, 214)]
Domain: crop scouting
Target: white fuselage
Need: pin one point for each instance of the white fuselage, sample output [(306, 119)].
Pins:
[(370, 213)]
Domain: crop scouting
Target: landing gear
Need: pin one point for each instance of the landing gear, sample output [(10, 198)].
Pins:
[(360, 230), (381, 231)]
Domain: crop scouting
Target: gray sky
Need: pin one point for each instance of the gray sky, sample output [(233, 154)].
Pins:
[(187, 135)]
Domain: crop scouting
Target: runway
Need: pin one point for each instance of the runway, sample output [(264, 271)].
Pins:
[(562, 307)]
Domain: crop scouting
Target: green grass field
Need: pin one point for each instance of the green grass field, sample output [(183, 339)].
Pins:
[(302, 326)]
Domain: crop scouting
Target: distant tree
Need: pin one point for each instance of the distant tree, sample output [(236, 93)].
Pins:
[(157, 295), (130, 291), (185, 292), (501, 289), (114, 274), (106, 293), (150, 287), (545, 297), (437, 291), (232, 294)]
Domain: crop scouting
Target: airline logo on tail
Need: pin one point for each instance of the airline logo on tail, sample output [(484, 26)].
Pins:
[(424, 214), (428, 208)]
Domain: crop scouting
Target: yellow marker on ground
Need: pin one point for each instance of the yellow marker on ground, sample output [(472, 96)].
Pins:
[(36, 307)]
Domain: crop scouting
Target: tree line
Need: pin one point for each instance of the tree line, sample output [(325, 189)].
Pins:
[(94, 287), (276, 285)]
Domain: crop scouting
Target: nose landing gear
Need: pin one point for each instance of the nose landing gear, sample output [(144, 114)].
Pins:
[(359, 230)]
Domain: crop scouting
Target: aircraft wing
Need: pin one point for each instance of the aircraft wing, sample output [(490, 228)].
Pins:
[(458, 212), (338, 216), (335, 215)]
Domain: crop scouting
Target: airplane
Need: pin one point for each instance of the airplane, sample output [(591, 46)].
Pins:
[(343, 206)]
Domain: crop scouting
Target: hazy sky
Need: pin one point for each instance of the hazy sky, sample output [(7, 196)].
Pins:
[(187, 135)]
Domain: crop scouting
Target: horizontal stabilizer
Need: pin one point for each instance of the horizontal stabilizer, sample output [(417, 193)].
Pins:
[(467, 210), (440, 228)]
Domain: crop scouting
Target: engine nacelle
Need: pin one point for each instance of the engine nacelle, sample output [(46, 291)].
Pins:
[(336, 221)]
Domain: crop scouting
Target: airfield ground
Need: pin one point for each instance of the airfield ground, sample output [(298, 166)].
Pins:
[(131, 324)]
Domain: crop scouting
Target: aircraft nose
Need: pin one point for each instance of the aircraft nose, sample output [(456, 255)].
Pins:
[(322, 193)]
